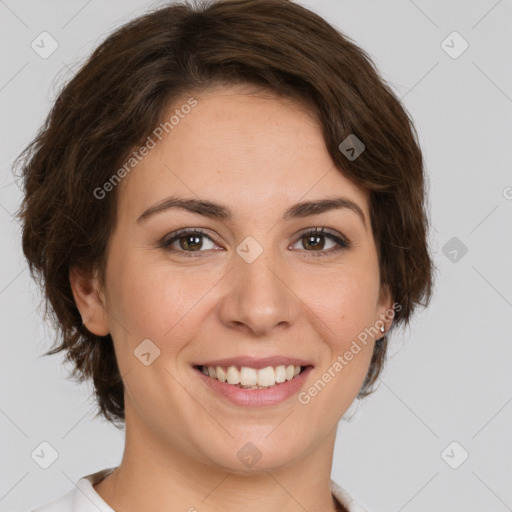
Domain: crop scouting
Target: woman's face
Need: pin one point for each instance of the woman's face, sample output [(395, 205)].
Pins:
[(253, 284)]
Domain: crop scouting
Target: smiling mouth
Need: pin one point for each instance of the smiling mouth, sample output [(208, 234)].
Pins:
[(251, 378)]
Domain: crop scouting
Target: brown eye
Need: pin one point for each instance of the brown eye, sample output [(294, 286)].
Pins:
[(187, 241), (190, 242), (315, 241)]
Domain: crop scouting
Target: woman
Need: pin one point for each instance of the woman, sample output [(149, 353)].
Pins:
[(226, 210)]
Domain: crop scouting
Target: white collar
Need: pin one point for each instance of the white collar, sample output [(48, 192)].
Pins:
[(84, 498)]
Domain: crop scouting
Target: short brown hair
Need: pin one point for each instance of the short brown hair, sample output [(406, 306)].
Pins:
[(120, 95)]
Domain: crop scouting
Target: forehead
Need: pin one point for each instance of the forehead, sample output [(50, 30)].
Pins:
[(253, 151)]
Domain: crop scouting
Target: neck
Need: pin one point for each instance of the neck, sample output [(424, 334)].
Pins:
[(156, 475)]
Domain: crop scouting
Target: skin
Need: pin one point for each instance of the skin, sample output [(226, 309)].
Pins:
[(257, 154)]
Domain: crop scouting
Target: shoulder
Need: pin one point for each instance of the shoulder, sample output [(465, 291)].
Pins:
[(63, 504), (82, 498), (345, 499)]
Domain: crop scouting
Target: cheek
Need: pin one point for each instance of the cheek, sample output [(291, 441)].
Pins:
[(153, 301), (345, 308), (346, 302)]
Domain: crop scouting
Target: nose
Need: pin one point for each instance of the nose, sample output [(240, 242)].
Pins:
[(258, 297)]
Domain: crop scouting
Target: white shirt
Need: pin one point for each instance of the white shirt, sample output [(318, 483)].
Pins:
[(83, 498)]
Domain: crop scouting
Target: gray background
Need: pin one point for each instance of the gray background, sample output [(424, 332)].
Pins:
[(448, 378)]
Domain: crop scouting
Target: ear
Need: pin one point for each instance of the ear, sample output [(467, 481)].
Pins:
[(385, 311), (90, 301)]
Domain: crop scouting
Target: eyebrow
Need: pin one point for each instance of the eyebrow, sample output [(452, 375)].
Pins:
[(221, 212)]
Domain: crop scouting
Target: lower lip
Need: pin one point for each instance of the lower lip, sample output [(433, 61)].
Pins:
[(256, 397)]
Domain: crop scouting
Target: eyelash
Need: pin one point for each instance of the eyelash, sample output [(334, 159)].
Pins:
[(166, 243)]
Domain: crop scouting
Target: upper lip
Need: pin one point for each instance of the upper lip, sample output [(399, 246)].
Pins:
[(254, 362)]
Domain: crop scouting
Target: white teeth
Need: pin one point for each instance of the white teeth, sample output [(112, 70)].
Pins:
[(250, 377), (266, 376), (221, 374), (281, 373), (233, 375)]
